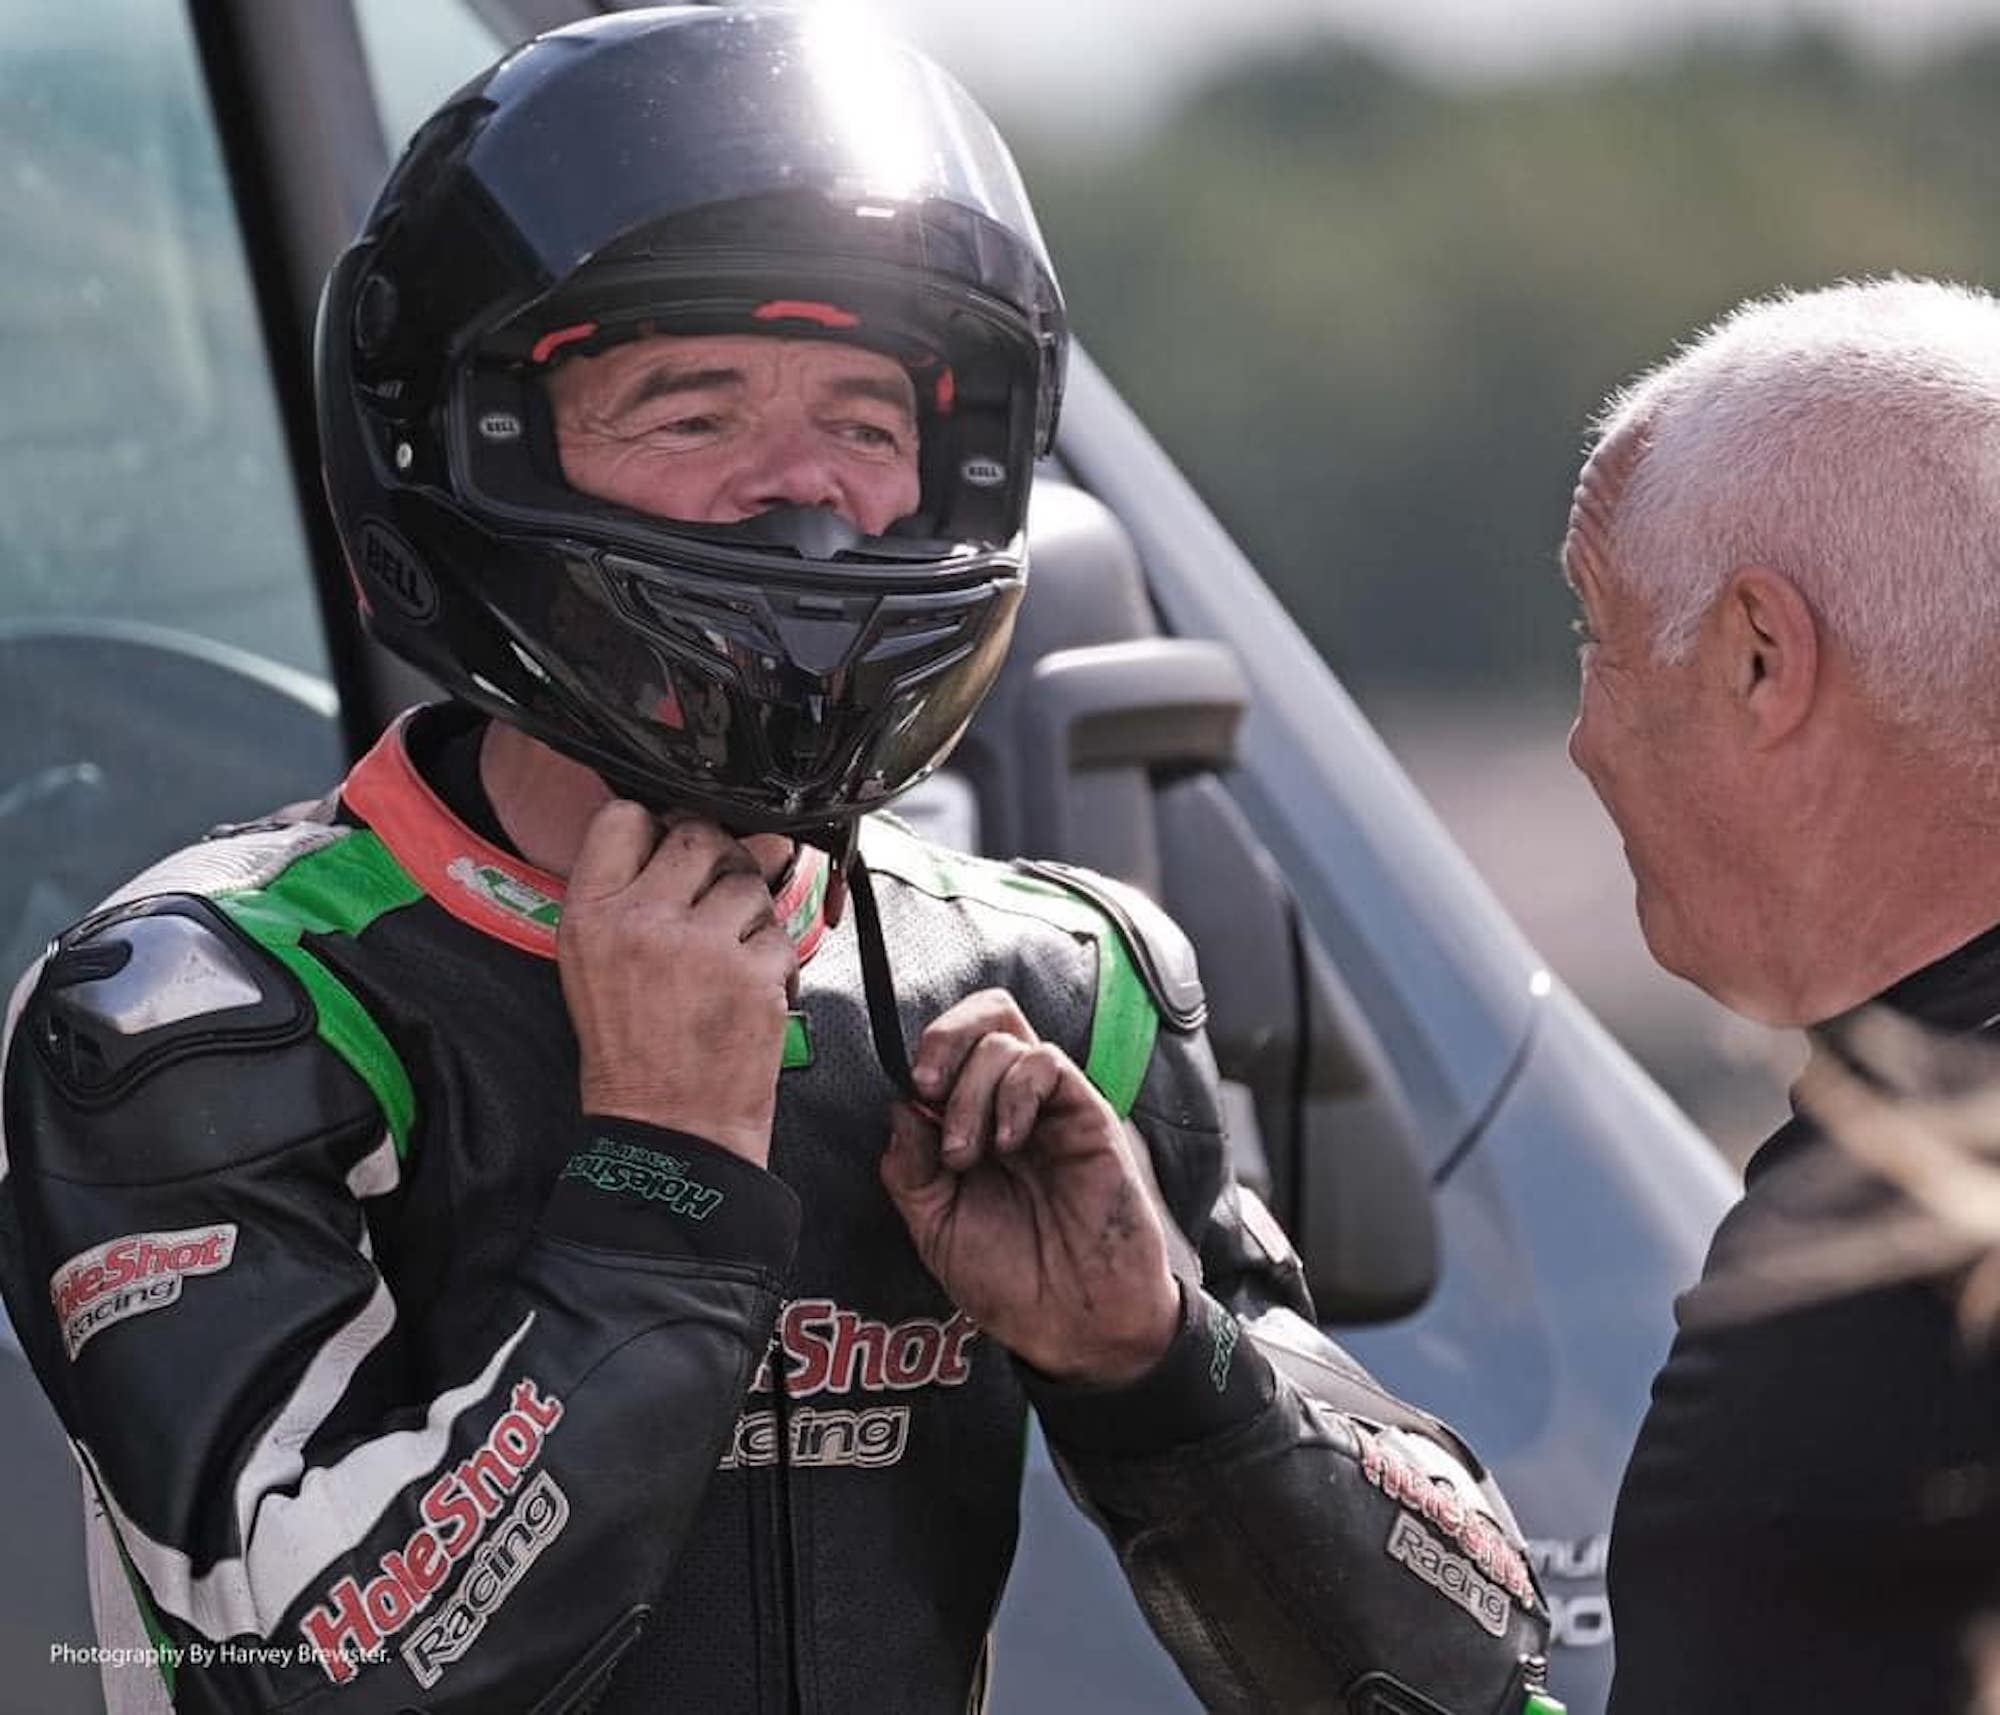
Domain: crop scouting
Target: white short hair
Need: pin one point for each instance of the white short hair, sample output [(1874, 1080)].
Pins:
[(1850, 439)]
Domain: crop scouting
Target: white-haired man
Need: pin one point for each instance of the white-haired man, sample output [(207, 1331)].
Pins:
[(1786, 546)]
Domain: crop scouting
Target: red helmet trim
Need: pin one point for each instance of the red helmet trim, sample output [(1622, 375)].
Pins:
[(800, 310), (551, 343)]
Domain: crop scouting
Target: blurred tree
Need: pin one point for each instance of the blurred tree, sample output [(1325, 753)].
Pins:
[(1371, 315)]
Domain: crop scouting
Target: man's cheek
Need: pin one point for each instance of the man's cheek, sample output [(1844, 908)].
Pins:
[(907, 494)]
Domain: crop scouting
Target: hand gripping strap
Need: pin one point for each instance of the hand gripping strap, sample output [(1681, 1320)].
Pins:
[(1126, 1018)]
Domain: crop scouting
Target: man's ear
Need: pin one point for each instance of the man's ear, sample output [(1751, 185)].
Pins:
[(1770, 647)]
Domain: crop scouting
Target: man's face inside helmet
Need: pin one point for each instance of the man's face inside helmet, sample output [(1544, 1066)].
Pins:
[(714, 429)]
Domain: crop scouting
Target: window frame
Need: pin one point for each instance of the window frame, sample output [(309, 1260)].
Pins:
[(296, 118)]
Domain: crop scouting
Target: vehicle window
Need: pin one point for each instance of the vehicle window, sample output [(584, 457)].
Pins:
[(417, 55), (142, 471), (162, 665)]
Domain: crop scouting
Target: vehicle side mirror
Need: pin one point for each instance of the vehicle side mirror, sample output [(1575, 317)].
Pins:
[(1359, 1203), (1319, 1124), (1100, 723)]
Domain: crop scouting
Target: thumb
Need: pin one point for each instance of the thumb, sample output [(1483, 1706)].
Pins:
[(911, 1165)]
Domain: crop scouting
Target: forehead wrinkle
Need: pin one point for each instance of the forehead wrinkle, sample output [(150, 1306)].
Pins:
[(1606, 475)]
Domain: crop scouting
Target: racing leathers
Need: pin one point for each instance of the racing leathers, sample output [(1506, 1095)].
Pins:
[(397, 1382)]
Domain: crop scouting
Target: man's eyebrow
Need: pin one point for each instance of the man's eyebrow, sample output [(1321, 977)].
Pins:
[(892, 393), (663, 381)]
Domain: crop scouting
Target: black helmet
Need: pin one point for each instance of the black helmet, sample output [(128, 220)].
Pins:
[(694, 170)]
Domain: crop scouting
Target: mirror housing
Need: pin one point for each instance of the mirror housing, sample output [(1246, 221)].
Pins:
[(1360, 1205), (1319, 1126)]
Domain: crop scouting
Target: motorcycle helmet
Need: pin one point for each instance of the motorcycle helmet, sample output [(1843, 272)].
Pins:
[(694, 171)]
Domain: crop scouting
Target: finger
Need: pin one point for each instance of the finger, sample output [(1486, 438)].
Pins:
[(731, 866), (968, 1114), (1074, 1118), (693, 856), (617, 844), (778, 959), (910, 1164), (1024, 1087), (739, 901), (769, 940), (952, 1035), (760, 933), (771, 950)]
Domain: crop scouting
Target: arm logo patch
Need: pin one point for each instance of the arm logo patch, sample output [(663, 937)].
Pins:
[(1451, 1575), (1389, 1462), (126, 1277)]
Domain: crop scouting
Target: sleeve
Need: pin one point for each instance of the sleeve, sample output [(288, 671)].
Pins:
[(1298, 1538), (317, 1507)]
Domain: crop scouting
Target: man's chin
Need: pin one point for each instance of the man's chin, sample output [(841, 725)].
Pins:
[(1672, 949), (1722, 980)]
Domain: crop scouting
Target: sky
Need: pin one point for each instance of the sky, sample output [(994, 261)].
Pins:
[(1107, 65)]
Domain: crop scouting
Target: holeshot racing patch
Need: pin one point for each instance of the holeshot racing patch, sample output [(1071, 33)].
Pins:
[(126, 1277), (1487, 1572), (829, 1349), (466, 1514), (1453, 1576)]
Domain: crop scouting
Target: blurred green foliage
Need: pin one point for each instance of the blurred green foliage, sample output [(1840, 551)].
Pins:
[(1371, 316)]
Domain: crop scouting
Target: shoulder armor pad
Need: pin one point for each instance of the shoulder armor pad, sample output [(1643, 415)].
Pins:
[(1159, 951), (135, 987)]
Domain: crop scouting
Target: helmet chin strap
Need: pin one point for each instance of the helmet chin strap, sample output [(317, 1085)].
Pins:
[(885, 1022)]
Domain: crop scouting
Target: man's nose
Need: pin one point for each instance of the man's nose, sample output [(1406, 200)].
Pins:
[(1579, 746), (788, 469)]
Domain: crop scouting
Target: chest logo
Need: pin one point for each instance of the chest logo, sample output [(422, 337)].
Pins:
[(829, 1349)]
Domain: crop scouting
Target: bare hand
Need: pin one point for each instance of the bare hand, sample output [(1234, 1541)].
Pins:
[(677, 976), (1027, 1203)]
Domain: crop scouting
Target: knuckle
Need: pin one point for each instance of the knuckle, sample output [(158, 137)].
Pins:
[(697, 835), (746, 885), (990, 1055), (1000, 1003)]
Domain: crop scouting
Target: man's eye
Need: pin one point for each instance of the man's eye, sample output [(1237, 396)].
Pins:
[(873, 436), (1585, 637), (702, 424)]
